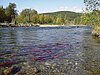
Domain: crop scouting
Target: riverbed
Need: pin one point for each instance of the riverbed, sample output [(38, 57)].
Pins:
[(63, 50)]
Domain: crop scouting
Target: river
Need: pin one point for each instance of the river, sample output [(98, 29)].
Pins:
[(69, 50)]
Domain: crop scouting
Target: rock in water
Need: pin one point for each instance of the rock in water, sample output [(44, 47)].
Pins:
[(15, 70), (11, 71)]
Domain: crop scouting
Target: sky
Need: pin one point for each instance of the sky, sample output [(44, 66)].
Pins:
[(44, 6)]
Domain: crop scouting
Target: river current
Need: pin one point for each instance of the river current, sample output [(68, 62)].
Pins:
[(69, 50)]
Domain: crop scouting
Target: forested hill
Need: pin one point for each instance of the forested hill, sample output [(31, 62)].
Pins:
[(64, 14), (10, 15)]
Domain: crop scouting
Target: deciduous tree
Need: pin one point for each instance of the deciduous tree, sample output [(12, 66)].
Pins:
[(10, 12)]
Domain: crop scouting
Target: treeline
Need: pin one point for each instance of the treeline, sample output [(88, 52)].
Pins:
[(67, 17), (32, 16), (10, 15)]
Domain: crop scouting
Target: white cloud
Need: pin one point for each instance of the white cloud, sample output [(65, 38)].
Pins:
[(75, 9)]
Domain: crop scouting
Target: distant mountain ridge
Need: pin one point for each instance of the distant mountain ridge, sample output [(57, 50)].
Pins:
[(63, 14)]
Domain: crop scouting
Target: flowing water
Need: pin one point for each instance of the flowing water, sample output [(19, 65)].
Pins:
[(69, 50)]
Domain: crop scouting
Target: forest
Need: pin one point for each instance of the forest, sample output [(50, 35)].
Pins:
[(10, 15), (91, 15)]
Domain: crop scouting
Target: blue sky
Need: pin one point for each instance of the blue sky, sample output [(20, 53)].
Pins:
[(43, 6)]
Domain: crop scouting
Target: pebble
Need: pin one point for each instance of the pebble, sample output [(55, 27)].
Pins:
[(48, 64), (6, 71), (76, 63)]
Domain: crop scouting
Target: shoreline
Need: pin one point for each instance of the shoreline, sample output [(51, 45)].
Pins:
[(96, 32), (28, 25), (36, 25)]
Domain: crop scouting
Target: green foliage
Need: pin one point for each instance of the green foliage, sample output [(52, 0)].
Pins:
[(28, 15), (2, 14), (35, 19), (62, 17), (41, 19), (90, 18), (47, 19), (10, 12), (93, 15), (28, 12), (20, 19), (64, 14), (92, 5), (60, 20)]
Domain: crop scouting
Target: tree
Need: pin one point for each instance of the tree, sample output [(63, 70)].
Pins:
[(54, 19), (35, 18), (47, 19), (41, 19), (28, 14), (92, 4), (60, 20), (20, 19), (10, 12), (92, 17), (2, 14)]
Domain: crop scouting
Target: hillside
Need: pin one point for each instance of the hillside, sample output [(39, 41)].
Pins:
[(69, 15)]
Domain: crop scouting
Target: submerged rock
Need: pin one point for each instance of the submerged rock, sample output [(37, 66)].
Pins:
[(11, 70), (14, 70)]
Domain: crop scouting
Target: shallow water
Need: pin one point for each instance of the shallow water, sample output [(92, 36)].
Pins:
[(69, 50)]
